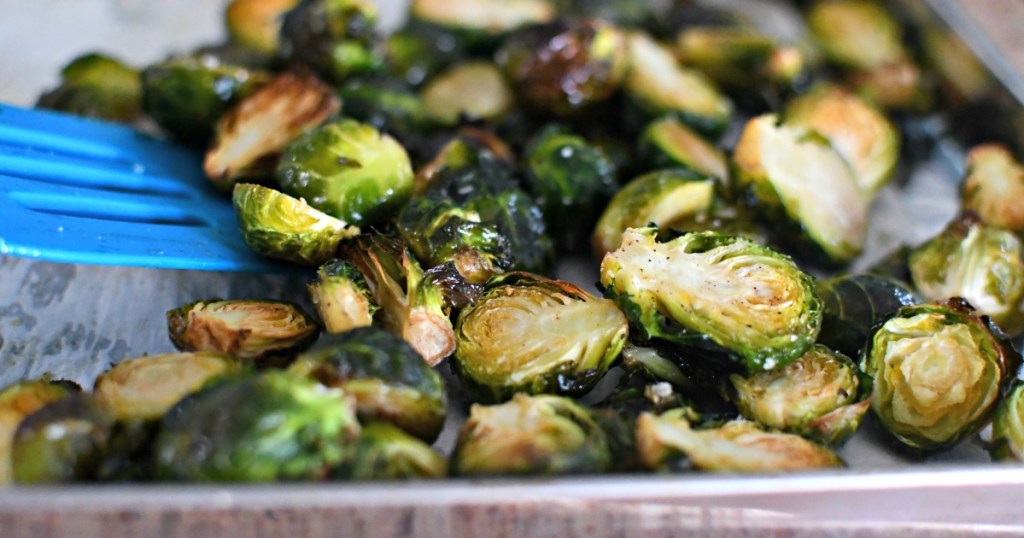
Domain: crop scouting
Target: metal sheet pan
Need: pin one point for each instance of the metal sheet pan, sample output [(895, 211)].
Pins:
[(75, 321)]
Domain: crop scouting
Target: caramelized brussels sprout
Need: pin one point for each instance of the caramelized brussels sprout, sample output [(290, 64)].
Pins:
[(1008, 426), (392, 107), (565, 67), (335, 38), (97, 86), (256, 24), (251, 330), (793, 397), (386, 376), (530, 435), (187, 95), (342, 297), (668, 142), (572, 180), (481, 20), (385, 452), (739, 301), (739, 446), (937, 372), (965, 77), (278, 226), (251, 135), (994, 186), (741, 60), (348, 170), (861, 134), (794, 177), (473, 90), (659, 85), (18, 401), (980, 263), (853, 305), (64, 441), (145, 388), (257, 428), (899, 86), (412, 306), (857, 34), (530, 334)]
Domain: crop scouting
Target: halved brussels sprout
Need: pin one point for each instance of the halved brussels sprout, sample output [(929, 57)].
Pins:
[(862, 135), (1008, 426), (187, 95), (721, 294), (790, 173), (97, 86), (964, 76), (486, 17), (473, 90), (681, 370), (900, 86), (65, 440), (530, 435), (251, 135), (473, 164), (853, 305), (412, 306), (336, 38), (248, 329), (994, 186), (385, 452), (348, 170), (668, 142), (937, 372), (793, 397), (342, 297), (394, 108), (18, 401), (858, 34), (255, 24), (386, 376), (980, 263), (257, 428), (535, 335), (659, 85), (738, 446), (572, 180), (146, 387), (278, 226), (566, 66)]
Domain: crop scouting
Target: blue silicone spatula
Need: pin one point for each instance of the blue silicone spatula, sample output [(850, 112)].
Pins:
[(82, 191)]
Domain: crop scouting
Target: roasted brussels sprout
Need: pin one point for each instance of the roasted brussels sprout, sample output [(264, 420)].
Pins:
[(994, 187), (251, 135), (392, 107), (18, 401), (386, 376), (256, 428), (901, 87), (739, 446), (385, 452), (668, 142), (572, 181), (473, 91), (980, 263), (659, 85), (480, 21), (937, 372), (412, 306), (1008, 426), (861, 134), (348, 170), (565, 67), (342, 297), (145, 388), (734, 299), (187, 95), (530, 334), (796, 396), (964, 76), (853, 305), (530, 435), (97, 86), (65, 440), (794, 177), (335, 38), (256, 24), (278, 226), (857, 34), (249, 329)]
